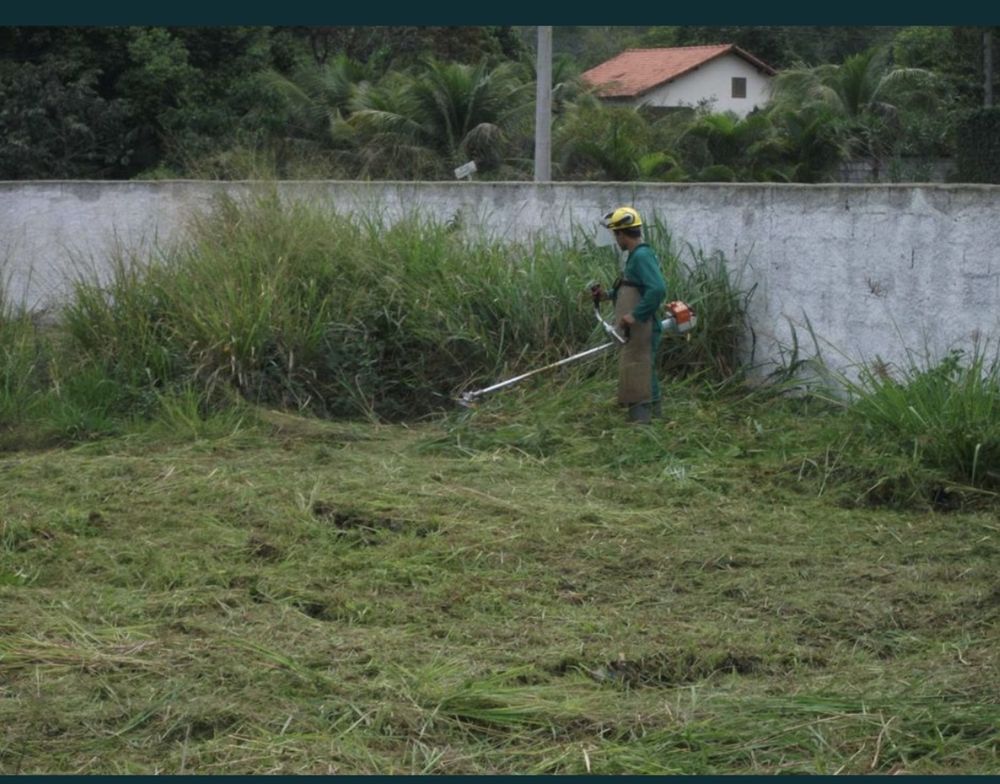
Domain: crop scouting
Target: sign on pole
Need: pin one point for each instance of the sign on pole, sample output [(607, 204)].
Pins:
[(465, 170)]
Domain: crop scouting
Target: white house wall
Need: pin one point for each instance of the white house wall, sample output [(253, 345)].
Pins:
[(714, 81)]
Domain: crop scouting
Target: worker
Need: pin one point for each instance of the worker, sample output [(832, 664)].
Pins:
[(637, 295)]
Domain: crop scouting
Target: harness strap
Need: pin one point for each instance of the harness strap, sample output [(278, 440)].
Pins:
[(626, 282)]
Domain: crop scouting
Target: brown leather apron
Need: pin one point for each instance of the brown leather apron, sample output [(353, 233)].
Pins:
[(635, 362)]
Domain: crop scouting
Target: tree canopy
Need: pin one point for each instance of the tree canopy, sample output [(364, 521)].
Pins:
[(414, 102)]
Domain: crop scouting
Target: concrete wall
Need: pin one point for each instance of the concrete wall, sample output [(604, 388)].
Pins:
[(898, 170), (873, 269)]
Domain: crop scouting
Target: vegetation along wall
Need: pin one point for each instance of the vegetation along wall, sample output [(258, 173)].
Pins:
[(866, 270)]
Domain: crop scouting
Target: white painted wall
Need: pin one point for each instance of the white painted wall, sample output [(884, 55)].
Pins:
[(873, 270), (713, 81)]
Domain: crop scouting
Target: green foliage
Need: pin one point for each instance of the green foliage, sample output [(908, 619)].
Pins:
[(725, 148), (428, 123), (160, 72), (20, 365), (290, 305), (955, 54), (589, 45), (55, 124), (660, 167), (811, 142), (387, 47), (184, 412), (569, 91), (773, 45), (263, 103), (868, 95), (601, 143), (712, 351), (203, 89), (118, 324), (83, 404), (778, 46), (294, 306), (978, 138), (924, 47), (113, 102), (780, 144), (317, 96), (171, 601), (943, 414)]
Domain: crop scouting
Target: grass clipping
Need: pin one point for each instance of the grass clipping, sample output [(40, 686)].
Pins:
[(305, 597)]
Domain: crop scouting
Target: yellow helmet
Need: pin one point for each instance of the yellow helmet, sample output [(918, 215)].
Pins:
[(623, 218)]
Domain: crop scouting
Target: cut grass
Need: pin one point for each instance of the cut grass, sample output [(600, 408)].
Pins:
[(531, 587)]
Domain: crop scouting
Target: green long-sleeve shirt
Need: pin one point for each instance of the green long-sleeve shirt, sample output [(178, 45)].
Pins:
[(643, 267)]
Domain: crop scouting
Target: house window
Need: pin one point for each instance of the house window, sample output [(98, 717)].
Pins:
[(739, 87)]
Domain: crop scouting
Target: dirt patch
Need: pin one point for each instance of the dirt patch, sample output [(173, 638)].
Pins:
[(260, 549), (364, 527), (202, 728), (312, 608), (352, 520)]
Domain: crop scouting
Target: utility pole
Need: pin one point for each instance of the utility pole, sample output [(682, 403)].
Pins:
[(543, 106), (988, 67)]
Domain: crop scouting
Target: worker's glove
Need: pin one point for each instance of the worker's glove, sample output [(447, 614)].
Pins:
[(597, 293)]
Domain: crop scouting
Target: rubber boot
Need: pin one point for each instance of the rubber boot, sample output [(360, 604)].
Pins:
[(639, 414)]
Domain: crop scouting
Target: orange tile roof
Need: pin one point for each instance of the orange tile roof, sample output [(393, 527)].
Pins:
[(635, 71)]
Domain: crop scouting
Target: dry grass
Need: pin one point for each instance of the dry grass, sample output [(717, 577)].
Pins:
[(532, 587)]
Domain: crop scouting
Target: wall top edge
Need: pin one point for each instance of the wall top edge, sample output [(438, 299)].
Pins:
[(824, 186)]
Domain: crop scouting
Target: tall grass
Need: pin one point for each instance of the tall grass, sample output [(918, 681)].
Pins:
[(19, 364), (714, 289), (943, 413), (28, 386), (292, 304)]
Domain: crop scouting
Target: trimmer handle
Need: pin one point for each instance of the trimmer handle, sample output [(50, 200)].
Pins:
[(608, 327)]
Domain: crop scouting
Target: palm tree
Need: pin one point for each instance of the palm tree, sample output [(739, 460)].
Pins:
[(866, 93), (568, 88), (595, 142), (427, 123), (728, 147), (316, 96), (315, 99), (810, 143)]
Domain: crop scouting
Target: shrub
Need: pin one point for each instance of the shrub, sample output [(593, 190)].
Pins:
[(944, 414), (289, 304), (978, 146)]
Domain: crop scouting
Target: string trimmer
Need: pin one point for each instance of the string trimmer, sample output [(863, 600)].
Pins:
[(680, 321)]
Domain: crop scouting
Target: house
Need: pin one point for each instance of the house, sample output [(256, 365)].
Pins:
[(724, 75)]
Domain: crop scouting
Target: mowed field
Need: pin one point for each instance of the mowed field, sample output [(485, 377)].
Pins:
[(530, 587)]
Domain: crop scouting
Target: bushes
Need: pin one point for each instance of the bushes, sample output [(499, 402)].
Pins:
[(18, 366), (706, 282), (978, 146), (292, 305), (945, 415)]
